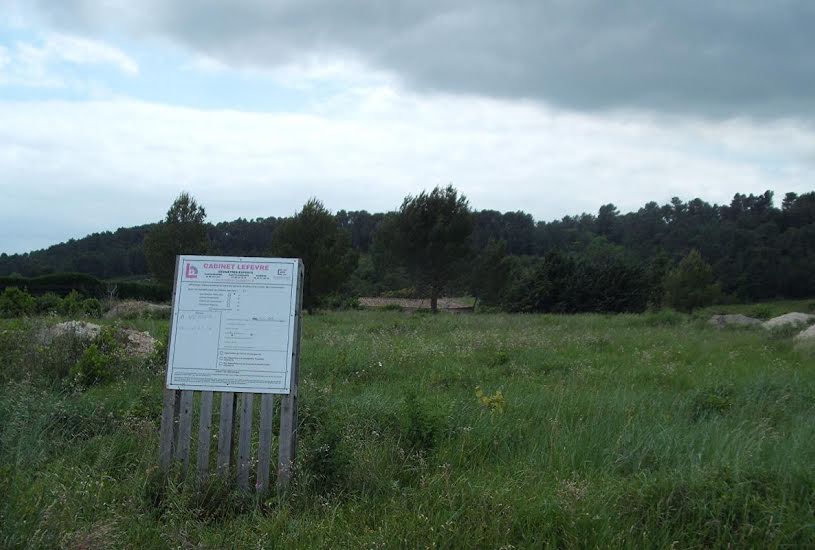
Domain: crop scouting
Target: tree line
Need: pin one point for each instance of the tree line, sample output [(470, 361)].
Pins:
[(435, 244)]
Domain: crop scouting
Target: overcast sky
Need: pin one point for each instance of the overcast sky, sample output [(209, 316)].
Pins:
[(108, 109)]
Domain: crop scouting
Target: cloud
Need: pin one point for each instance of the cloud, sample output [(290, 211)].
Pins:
[(70, 168), (714, 59), (40, 63)]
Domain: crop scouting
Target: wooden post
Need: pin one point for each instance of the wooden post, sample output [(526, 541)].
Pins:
[(245, 441), (288, 405), (265, 441), (182, 451), (169, 411), (166, 432), (204, 438), (225, 432)]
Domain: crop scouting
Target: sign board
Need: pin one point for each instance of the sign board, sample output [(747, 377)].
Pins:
[(233, 324)]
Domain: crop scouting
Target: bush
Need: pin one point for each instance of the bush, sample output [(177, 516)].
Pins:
[(99, 362), (563, 284), (691, 284), (16, 303), (91, 307), (418, 427), (50, 302), (760, 311), (71, 304)]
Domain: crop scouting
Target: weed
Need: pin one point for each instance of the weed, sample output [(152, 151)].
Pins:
[(419, 427)]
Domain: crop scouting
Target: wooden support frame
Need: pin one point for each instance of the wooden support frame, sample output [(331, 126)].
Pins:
[(180, 414)]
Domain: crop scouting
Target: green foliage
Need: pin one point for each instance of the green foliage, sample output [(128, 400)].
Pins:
[(16, 303), (711, 401), (181, 232), (59, 283), (100, 360), (325, 459), (313, 236), (431, 236), (562, 284), (71, 304), (691, 284), (49, 303), (419, 427), (491, 273)]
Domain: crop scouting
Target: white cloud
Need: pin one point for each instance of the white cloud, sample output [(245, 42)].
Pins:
[(39, 64), (83, 51)]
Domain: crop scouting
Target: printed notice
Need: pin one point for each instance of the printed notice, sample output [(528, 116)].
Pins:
[(233, 325)]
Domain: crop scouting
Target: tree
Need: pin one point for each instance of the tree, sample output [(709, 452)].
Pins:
[(314, 236), (491, 272), (181, 232), (432, 237), (691, 284)]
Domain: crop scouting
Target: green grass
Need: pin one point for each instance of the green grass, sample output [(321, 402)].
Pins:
[(761, 310), (633, 430)]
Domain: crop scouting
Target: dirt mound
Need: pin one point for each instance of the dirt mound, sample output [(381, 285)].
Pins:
[(137, 342), (732, 320), (78, 329), (789, 319), (131, 309)]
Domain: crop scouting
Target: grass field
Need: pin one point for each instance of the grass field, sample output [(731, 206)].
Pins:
[(420, 431)]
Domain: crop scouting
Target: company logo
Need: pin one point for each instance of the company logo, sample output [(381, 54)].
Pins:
[(282, 272), (191, 272)]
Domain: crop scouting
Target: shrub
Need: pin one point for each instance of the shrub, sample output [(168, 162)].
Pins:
[(71, 304), (691, 284), (760, 311), (711, 401), (50, 302), (91, 307), (324, 457), (16, 303), (419, 428), (99, 362)]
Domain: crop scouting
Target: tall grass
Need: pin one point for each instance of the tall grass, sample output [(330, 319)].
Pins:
[(631, 430)]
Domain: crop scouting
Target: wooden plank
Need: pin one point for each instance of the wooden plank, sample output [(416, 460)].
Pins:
[(166, 432), (265, 441), (172, 404), (245, 441), (182, 452), (225, 432), (204, 435), (288, 405)]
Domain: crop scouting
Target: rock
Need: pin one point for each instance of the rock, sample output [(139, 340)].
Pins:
[(129, 309), (732, 320), (138, 342), (807, 336), (789, 319), (79, 329)]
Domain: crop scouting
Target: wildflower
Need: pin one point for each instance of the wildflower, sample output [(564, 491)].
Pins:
[(495, 402)]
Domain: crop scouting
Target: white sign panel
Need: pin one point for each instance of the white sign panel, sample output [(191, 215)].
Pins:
[(233, 324)]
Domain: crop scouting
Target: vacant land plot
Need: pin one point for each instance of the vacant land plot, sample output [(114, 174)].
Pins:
[(482, 431)]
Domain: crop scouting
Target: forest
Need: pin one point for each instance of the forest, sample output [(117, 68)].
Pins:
[(752, 248)]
